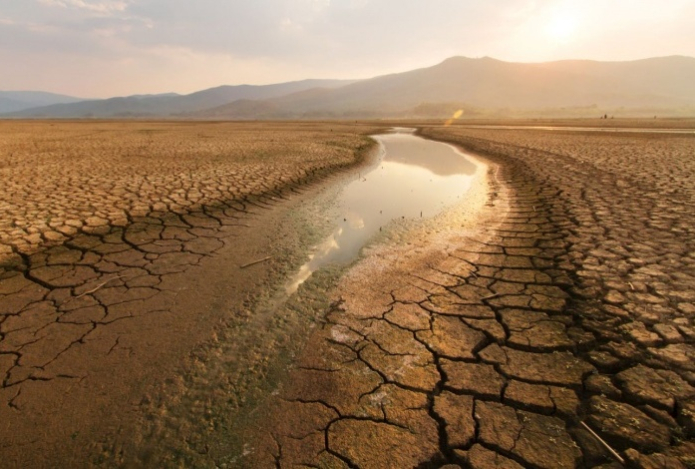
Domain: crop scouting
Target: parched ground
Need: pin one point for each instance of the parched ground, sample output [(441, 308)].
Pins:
[(62, 179), (120, 251), (567, 307), (484, 342)]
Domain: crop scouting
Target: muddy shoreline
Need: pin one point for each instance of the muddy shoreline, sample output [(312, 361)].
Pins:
[(222, 386)]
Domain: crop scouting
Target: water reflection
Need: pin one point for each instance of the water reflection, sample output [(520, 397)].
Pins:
[(438, 158), (415, 178)]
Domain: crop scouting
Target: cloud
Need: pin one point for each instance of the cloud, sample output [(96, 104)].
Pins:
[(101, 7), (292, 39)]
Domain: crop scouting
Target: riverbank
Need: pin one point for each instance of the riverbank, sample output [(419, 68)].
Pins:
[(252, 362), (100, 326), (479, 339), (557, 314)]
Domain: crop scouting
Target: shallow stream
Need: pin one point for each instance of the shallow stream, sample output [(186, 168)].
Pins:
[(414, 178), (203, 418)]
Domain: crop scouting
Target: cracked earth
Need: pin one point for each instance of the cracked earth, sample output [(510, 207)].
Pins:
[(562, 297), (565, 307), (119, 243)]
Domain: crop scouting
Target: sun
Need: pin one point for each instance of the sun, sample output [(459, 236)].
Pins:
[(561, 27)]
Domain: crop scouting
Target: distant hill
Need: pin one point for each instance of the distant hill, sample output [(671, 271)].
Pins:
[(486, 83), (11, 101), (480, 87), (171, 104)]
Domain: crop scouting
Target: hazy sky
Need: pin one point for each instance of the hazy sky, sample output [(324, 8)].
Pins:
[(101, 48)]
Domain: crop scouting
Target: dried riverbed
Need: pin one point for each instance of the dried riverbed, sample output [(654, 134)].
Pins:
[(121, 246), (566, 308), (481, 337), (250, 362)]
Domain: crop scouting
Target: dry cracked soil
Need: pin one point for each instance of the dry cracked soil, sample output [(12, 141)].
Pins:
[(122, 246), (558, 320), (550, 315)]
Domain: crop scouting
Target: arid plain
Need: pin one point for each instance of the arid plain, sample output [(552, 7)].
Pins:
[(135, 332)]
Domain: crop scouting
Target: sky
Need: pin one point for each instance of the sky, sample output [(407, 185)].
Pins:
[(105, 48)]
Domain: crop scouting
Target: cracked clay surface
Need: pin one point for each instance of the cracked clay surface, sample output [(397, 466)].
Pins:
[(569, 298), (108, 233)]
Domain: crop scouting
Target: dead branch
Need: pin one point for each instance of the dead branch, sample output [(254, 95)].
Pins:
[(613, 452), (255, 262)]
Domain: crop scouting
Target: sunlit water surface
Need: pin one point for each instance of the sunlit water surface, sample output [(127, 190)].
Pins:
[(415, 178)]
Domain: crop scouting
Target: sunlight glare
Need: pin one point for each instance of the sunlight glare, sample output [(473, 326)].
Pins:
[(456, 115), (561, 27)]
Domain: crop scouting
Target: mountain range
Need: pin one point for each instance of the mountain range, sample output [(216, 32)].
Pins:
[(12, 101), (483, 86)]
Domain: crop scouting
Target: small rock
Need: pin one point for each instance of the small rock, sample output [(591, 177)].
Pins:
[(557, 368), (53, 236), (614, 297), (96, 221), (533, 397), (493, 354), (566, 402), (659, 415), (638, 332), (604, 361), (450, 337), (687, 331)]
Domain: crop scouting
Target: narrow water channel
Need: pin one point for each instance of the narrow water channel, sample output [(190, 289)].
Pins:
[(414, 178), (231, 378)]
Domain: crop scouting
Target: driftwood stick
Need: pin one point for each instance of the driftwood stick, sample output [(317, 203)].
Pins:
[(101, 285), (613, 452), (255, 262)]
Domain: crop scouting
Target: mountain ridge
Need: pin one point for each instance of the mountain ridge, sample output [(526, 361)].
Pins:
[(18, 100), (477, 85), (168, 104), (585, 87)]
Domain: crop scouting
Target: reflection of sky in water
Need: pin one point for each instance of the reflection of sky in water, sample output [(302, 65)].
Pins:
[(416, 178)]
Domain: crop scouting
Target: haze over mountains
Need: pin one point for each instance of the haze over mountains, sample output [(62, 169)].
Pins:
[(480, 87), (11, 101), (171, 104)]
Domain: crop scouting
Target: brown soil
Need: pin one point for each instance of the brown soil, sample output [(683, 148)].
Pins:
[(121, 277), (561, 294), (568, 301)]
